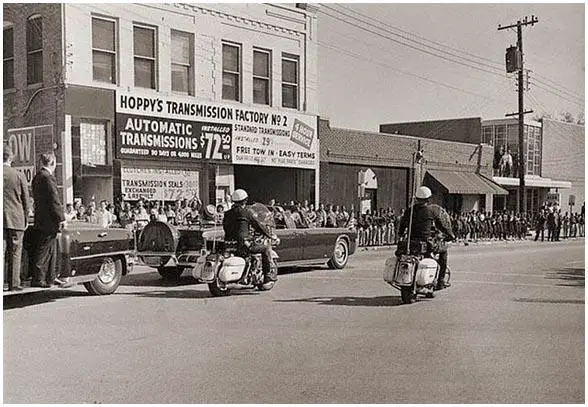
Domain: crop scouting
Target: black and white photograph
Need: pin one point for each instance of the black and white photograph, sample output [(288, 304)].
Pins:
[(293, 203)]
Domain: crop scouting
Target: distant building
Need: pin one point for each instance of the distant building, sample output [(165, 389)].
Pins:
[(503, 136), (165, 101), (563, 158)]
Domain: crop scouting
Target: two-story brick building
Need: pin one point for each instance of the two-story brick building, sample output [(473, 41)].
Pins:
[(165, 101)]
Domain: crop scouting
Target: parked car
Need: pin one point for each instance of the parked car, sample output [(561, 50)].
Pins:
[(173, 250), (86, 254)]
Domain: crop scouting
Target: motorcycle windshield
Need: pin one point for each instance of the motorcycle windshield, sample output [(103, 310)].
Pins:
[(263, 215)]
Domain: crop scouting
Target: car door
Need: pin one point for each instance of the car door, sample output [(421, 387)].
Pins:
[(319, 243), (290, 247)]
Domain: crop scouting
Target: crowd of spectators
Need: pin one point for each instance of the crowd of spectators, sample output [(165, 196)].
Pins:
[(374, 229)]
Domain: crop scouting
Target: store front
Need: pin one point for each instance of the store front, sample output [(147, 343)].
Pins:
[(537, 191), (172, 148)]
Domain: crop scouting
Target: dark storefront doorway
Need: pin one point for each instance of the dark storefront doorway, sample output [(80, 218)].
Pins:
[(282, 184)]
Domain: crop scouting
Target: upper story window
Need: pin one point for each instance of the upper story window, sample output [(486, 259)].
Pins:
[(34, 49), (93, 149), (290, 81), (8, 52), (231, 72), (144, 56), (488, 135), (182, 72), (104, 50), (261, 76)]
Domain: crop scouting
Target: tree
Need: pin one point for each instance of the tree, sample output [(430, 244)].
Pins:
[(567, 117)]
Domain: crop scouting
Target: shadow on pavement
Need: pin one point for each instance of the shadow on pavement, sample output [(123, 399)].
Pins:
[(153, 279), (383, 301), (573, 277), (548, 301), (188, 294), (39, 297)]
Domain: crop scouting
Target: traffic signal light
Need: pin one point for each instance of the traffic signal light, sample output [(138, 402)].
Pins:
[(513, 59)]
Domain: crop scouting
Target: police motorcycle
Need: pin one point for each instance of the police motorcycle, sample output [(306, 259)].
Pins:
[(414, 269), (223, 267)]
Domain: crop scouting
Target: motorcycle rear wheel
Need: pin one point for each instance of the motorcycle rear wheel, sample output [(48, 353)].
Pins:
[(217, 291), (407, 295), (266, 286)]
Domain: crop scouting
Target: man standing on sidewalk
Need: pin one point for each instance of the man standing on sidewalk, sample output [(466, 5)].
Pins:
[(49, 219), (540, 225), (15, 210)]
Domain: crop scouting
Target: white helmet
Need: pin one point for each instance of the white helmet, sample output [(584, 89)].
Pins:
[(239, 195), (423, 193)]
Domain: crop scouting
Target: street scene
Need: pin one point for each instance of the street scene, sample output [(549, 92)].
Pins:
[(499, 335), (293, 203)]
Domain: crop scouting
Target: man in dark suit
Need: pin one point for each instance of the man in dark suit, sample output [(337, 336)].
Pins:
[(16, 211), (49, 218)]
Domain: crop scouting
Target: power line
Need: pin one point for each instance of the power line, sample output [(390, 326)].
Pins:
[(410, 45)]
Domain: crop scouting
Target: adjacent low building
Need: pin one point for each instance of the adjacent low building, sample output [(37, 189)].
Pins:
[(377, 170)]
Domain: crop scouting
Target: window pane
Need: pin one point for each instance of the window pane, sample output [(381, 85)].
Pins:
[(230, 86), (93, 143), (103, 66), (261, 91), (35, 68), (230, 58), (34, 34), (144, 42), (261, 64), (289, 71), (103, 34), (289, 96), (180, 78), (181, 49), (9, 74), (144, 73), (8, 43)]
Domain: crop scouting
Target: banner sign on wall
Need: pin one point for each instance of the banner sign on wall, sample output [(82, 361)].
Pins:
[(176, 127), (158, 184), (22, 143)]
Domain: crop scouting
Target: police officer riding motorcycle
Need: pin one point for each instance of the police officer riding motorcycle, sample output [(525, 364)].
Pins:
[(236, 224), (427, 220)]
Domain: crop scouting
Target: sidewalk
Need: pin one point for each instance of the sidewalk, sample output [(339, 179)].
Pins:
[(530, 239)]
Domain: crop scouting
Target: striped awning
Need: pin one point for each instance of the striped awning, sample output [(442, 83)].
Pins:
[(467, 183)]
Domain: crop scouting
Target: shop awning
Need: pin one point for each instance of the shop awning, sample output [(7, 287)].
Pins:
[(534, 181), (468, 183)]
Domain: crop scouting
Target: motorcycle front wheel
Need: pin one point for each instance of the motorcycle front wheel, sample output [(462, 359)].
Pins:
[(217, 291), (407, 295)]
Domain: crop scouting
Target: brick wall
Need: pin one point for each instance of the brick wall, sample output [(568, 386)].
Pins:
[(42, 103), (563, 158)]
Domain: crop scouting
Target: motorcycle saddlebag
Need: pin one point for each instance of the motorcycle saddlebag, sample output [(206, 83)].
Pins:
[(405, 269), (232, 269), (426, 272)]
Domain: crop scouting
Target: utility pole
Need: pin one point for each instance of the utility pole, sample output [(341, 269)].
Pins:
[(517, 64)]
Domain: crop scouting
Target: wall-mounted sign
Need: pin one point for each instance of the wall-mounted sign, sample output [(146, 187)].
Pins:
[(22, 143), (176, 127), (158, 184)]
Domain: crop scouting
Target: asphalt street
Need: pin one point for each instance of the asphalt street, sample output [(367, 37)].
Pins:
[(509, 330)]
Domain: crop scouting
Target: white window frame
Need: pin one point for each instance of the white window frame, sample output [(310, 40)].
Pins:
[(36, 50), (267, 78), (154, 85), (296, 85), (235, 73), (190, 65), (106, 51), (9, 59)]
